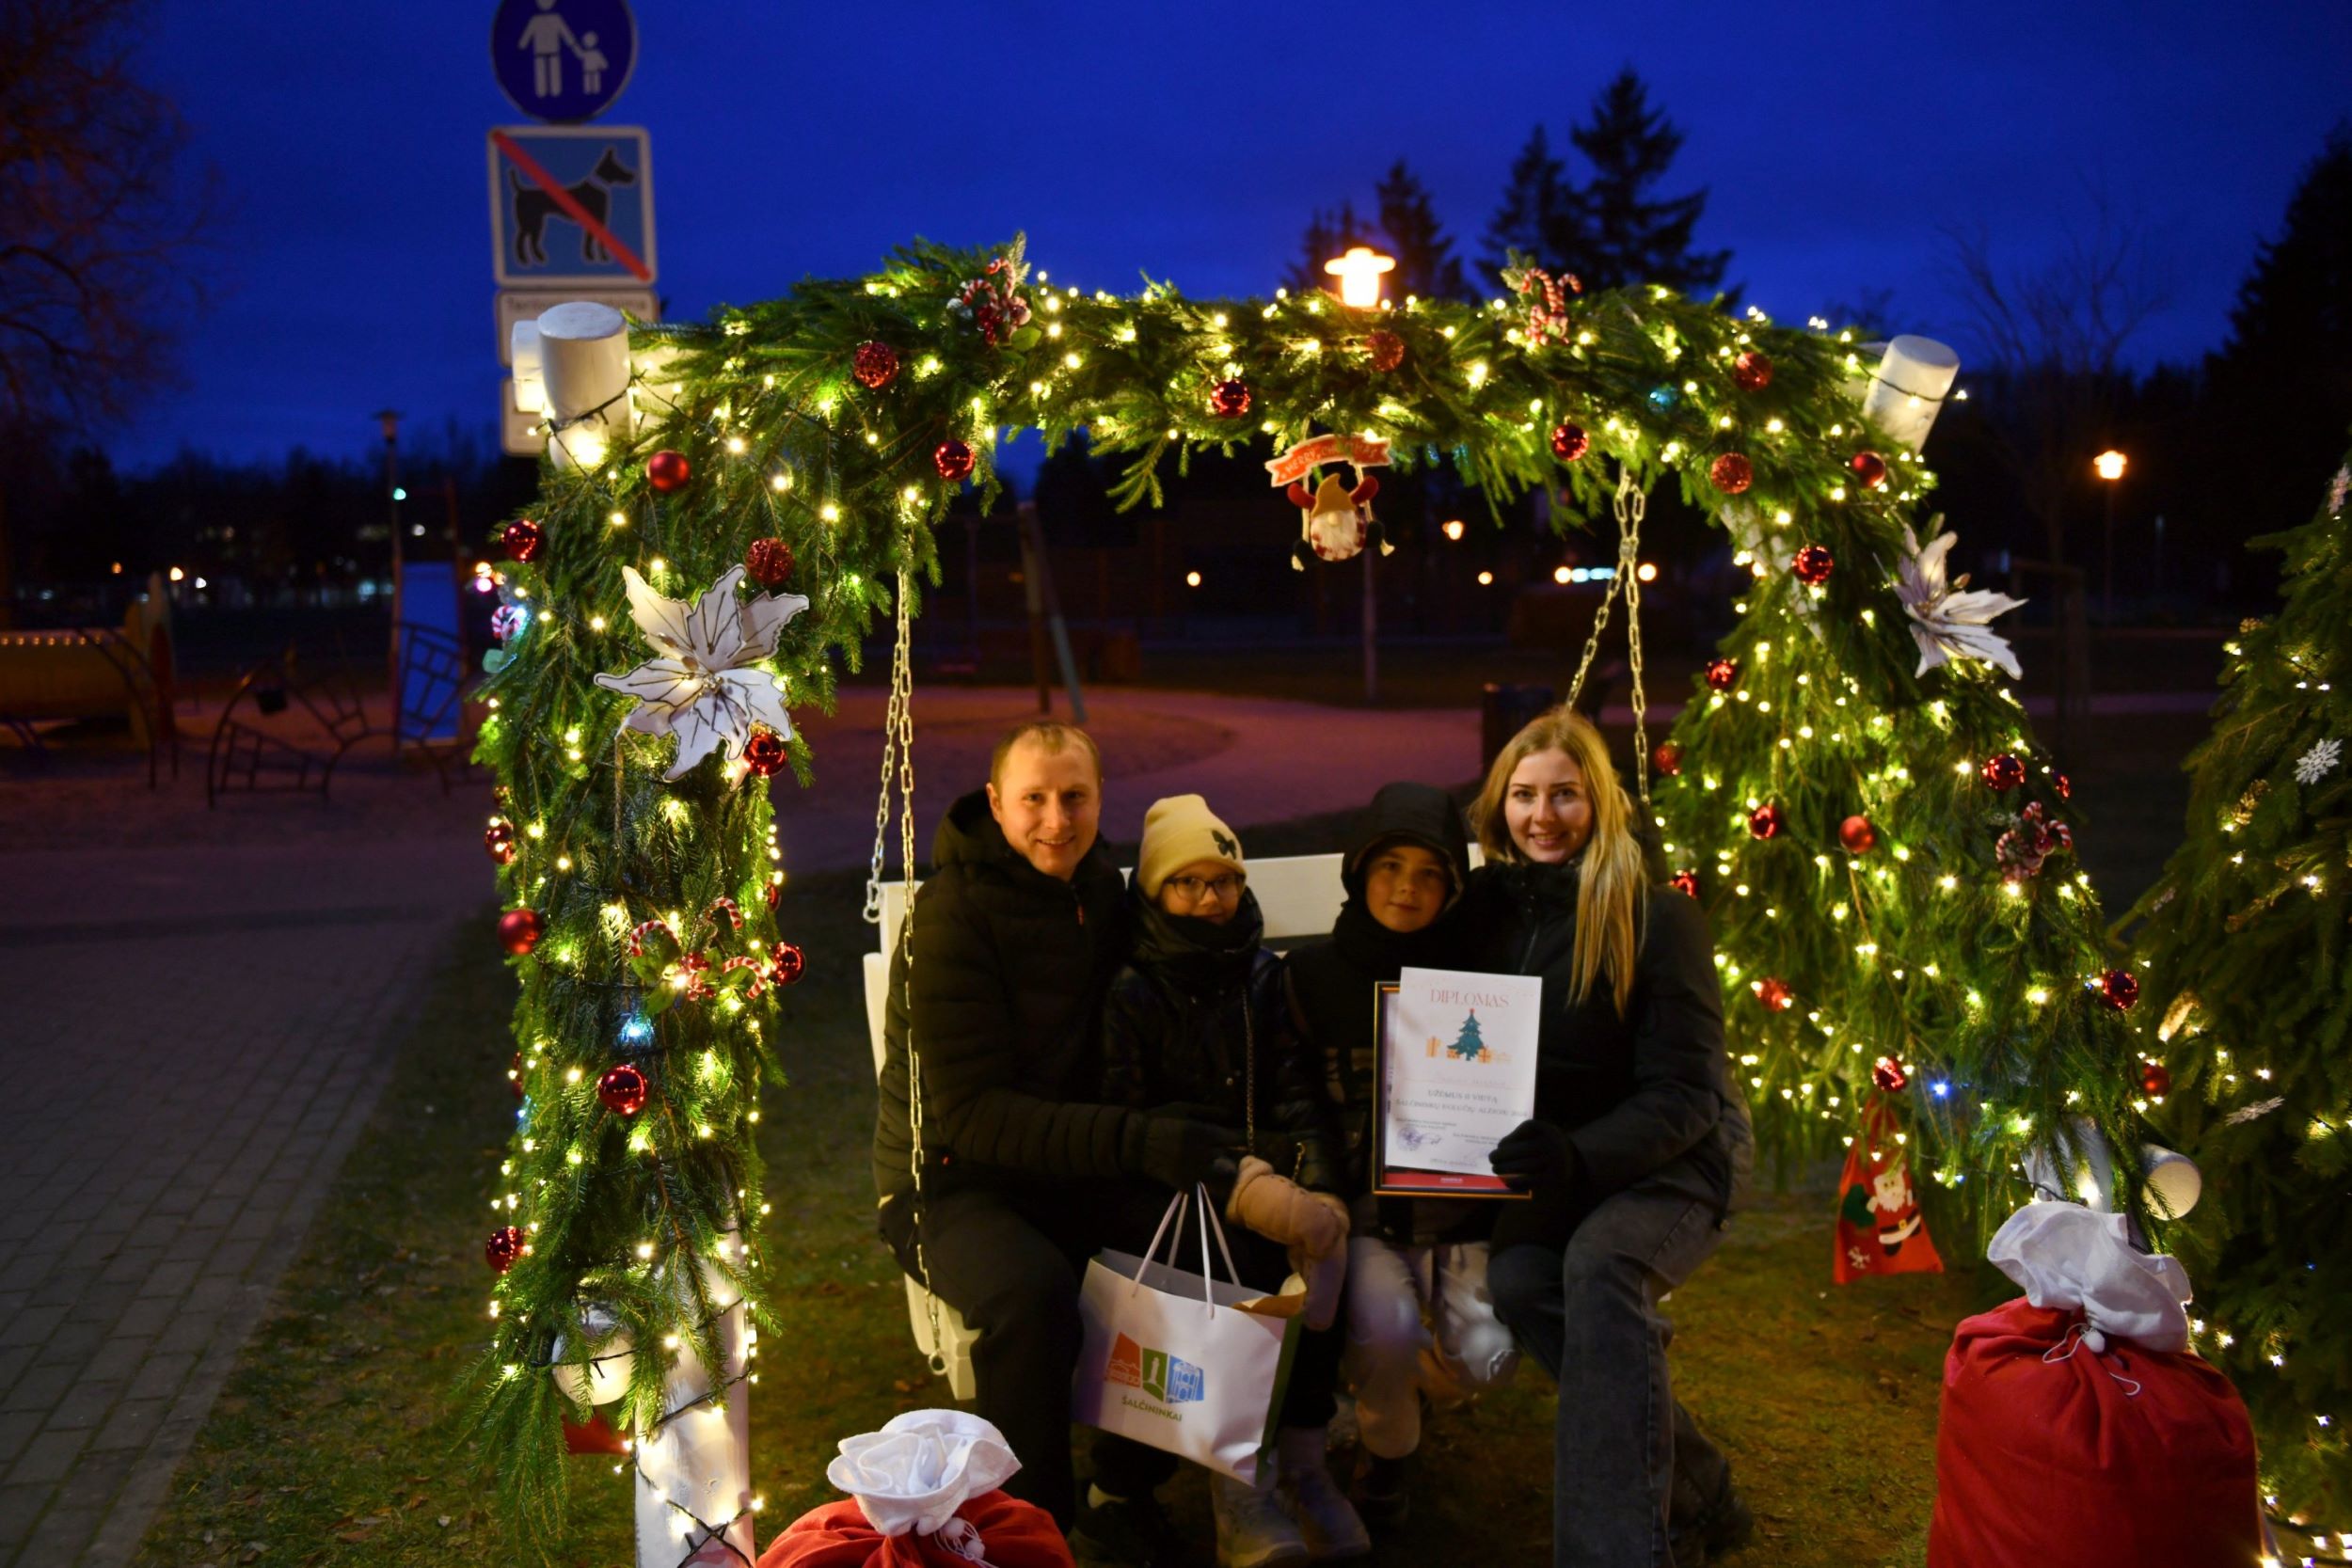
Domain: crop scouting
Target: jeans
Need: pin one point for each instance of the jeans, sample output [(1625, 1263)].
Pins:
[(1589, 1314), (1388, 1287)]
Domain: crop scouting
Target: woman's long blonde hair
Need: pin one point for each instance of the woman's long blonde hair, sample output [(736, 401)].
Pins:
[(1614, 881)]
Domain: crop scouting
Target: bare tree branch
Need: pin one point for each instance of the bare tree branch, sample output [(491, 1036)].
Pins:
[(2053, 339), (100, 216)]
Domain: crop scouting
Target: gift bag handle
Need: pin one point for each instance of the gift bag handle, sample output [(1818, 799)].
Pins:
[(1174, 1232)]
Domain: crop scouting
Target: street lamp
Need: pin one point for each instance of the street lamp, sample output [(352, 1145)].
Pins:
[(1359, 273), (389, 418), (2110, 466)]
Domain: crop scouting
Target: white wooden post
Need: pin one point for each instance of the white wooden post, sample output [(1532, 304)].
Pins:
[(694, 1472)]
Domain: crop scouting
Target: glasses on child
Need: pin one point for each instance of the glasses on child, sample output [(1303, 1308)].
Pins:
[(1190, 889)]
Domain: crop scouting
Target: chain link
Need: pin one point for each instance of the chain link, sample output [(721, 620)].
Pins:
[(1629, 504), (899, 758)]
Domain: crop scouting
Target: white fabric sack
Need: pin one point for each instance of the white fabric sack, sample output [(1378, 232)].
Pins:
[(1172, 1361), (2073, 1259), (920, 1467)]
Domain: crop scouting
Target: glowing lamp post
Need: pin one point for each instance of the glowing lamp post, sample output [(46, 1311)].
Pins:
[(2109, 466), (1359, 273)]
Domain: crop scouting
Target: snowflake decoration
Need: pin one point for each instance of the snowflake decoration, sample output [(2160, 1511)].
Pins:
[(703, 684), (1947, 622), (2255, 1111), (2320, 760)]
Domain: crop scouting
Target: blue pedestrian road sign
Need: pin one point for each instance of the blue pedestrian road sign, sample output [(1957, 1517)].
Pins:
[(571, 204), (562, 60)]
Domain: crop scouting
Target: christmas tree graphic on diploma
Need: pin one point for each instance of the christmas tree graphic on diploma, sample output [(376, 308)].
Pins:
[(1468, 1044)]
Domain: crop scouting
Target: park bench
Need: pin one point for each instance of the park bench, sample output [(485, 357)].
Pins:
[(1299, 897), (95, 672)]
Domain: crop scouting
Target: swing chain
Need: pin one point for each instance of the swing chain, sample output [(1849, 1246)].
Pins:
[(1629, 504)]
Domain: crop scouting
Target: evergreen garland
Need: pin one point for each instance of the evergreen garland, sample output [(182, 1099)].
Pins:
[(635, 1214), (2246, 953)]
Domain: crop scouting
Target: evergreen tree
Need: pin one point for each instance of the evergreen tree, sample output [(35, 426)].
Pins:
[(1627, 236), (2282, 383), (1426, 263), (1537, 216), (2249, 968)]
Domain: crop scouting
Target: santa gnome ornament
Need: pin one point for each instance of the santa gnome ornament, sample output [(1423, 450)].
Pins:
[(1879, 1228), (1335, 519)]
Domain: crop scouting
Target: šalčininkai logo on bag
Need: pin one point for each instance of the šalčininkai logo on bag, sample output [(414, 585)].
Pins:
[(1169, 1379)]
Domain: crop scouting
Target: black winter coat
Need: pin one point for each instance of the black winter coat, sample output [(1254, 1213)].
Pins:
[(1637, 1093), (1331, 986), (1196, 1002), (1010, 966)]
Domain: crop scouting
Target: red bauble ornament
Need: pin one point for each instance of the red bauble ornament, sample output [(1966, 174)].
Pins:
[(2003, 770), (875, 365), (1776, 994), (499, 838), (1387, 349), (1888, 1074), (1722, 674), (1857, 835), (514, 1075), (1869, 468), (519, 930), (1229, 400), (521, 539), (1731, 473), (953, 460), (770, 562), (667, 470), (1766, 821), (791, 964), (1686, 882), (2156, 1079), (763, 753), (1752, 371), (774, 892), (1813, 564), (1667, 759), (1569, 442), (2119, 989), (622, 1088), (504, 1245), (2065, 789)]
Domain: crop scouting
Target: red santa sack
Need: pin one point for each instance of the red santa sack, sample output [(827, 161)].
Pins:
[(2050, 1455), (991, 1529)]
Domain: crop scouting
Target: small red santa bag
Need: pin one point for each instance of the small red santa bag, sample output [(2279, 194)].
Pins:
[(923, 1494), (2077, 1430)]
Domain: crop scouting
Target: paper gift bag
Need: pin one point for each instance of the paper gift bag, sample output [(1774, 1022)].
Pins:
[(1184, 1362)]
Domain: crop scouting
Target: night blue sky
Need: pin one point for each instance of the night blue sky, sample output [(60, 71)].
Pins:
[(1837, 140)]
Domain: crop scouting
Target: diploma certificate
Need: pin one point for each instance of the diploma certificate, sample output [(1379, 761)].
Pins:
[(1456, 1075)]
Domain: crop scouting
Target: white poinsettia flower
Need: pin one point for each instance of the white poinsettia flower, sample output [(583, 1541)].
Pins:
[(701, 685), (1949, 620)]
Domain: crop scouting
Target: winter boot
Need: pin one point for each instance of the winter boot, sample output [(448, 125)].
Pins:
[(1252, 1530), (1126, 1533), (1327, 1520), (1385, 1494)]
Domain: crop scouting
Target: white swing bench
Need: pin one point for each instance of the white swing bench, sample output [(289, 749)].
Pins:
[(1299, 897)]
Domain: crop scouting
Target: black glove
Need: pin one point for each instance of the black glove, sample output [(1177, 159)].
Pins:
[(1535, 1155), (1175, 1152)]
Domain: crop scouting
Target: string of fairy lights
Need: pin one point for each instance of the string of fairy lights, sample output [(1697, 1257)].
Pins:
[(819, 439)]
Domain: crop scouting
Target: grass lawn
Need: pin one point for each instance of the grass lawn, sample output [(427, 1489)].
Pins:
[(332, 1441)]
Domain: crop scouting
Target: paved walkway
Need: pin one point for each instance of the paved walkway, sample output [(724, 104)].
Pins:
[(194, 1032), (191, 1040)]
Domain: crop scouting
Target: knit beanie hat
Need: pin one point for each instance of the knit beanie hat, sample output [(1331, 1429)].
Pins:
[(1177, 831)]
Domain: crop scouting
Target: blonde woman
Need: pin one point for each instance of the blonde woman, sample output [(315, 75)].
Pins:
[(1637, 1143)]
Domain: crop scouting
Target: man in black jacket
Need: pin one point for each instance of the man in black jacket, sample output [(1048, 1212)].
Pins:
[(1023, 1174)]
